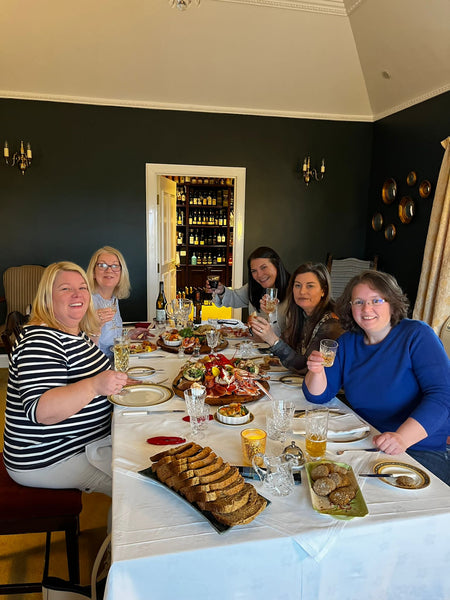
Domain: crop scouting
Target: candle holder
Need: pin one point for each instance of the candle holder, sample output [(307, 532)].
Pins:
[(312, 174), (22, 158)]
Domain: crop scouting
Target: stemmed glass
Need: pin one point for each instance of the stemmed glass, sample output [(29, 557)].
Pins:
[(212, 338)]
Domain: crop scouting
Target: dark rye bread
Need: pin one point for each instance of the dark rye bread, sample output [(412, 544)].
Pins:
[(193, 494), (230, 475), (243, 515), (189, 479), (230, 503), (173, 451), (182, 459), (206, 465)]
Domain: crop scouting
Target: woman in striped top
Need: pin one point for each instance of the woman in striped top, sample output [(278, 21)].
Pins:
[(57, 419)]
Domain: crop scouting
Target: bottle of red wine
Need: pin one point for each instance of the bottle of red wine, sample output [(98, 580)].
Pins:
[(161, 304), (197, 308)]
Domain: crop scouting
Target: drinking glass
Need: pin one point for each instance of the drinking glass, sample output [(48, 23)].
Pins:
[(283, 413), (271, 300), (195, 404), (213, 281), (121, 353), (212, 338), (316, 430), (253, 441), (328, 349)]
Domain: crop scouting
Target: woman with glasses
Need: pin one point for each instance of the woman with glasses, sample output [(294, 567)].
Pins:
[(109, 280), (394, 370), (310, 317)]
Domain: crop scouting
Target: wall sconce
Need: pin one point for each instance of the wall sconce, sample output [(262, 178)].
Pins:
[(309, 173), (22, 158)]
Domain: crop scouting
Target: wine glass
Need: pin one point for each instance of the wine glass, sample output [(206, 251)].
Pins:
[(212, 338)]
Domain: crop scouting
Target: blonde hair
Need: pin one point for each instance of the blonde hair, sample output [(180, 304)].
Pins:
[(42, 310), (122, 289)]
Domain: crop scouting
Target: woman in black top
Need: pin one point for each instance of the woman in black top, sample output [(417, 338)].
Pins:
[(309, 317)]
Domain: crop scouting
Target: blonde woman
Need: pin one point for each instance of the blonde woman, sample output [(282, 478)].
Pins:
[(58, 417), (110, 282)]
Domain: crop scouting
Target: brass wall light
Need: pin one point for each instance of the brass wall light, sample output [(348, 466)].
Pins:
[(312, 174), (22, 158)]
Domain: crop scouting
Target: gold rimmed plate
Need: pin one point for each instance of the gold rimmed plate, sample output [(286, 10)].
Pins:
[(147, 394), (293, 380), (417, 479)]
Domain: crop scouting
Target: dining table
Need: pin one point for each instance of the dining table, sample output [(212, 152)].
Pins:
[(163, 548)]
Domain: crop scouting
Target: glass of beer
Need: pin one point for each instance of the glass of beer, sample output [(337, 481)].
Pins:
[(328, 349), (316, 430), (121, 353)]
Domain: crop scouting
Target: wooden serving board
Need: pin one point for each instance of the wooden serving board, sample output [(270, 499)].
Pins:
[(221, 400), (204, 348)]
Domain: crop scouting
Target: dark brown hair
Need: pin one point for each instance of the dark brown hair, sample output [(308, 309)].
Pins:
[(295, 316), (389, 290), (255, 290)]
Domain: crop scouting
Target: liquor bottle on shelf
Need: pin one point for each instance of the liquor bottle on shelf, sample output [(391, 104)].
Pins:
[(193, 259), (161, 304), (197, 308), (230, 260), (196, 238), (191, 238)]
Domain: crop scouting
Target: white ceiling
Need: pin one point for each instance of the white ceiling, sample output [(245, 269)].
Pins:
[(309, 59)]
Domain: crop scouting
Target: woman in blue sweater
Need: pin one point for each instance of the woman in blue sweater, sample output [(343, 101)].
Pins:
[(394, 371)]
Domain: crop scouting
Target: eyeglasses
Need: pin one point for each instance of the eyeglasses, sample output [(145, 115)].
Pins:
[(358, 303), (105, 266)]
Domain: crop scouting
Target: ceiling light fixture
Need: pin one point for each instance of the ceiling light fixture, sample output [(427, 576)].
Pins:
[(182, 4)]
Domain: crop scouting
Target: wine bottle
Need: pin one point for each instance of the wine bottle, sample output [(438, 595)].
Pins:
[(161, 304), (197, 309)]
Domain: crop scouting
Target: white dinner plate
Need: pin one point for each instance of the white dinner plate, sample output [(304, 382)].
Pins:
[(147, 394), (141, 373)]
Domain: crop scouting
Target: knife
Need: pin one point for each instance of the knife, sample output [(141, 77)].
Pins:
[(151, 412), (250, 473), (382, 474)]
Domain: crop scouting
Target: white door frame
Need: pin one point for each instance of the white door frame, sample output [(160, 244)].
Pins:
[(155, 170)]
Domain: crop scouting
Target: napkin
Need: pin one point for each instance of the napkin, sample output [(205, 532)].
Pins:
[(337, 425)]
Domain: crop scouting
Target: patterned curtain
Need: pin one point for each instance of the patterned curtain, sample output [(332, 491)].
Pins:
[(433, 297)]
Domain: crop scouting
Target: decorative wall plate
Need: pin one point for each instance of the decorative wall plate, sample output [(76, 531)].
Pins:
[(377, 222), (411, 178), (390, 232), (389, 191), (425, 189), (406, 209)]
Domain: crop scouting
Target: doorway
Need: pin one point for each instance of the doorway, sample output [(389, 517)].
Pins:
[(154, 173)]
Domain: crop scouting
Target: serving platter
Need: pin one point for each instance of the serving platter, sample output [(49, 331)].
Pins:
[(357, 506), (221, 400), (204, 348), (420, 478), (208, 516), (146, 394), (142, 347)]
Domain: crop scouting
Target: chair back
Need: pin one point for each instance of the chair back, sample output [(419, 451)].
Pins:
[(342, 270), (20, 285), (14, 327), (445, 336)]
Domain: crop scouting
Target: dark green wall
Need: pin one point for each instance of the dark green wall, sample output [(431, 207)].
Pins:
[(407, 141), (86, 187)]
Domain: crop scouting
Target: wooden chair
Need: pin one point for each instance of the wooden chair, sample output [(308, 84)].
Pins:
[(445, 336), (342, 270), (14, 323), (20, 285), (39, 510)]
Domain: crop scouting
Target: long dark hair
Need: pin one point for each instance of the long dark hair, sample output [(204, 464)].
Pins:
[(255, 290), (377, 280), (295, 316)]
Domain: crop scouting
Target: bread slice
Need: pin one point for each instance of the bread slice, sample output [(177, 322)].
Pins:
[(193, 494), (230, 475), (189, 478), (200, 467), (190, 455), (177, 450), (230, 503), (243, 515)]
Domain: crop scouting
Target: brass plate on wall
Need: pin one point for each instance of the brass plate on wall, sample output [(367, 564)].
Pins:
[(377, 222), (390, 232), (411, 178), (425, 189), (389, 191), (406, 209)]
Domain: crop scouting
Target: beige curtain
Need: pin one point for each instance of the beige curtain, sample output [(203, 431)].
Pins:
[(433, 296)]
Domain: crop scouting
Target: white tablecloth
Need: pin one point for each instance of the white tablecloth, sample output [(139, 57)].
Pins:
[(162, 549)]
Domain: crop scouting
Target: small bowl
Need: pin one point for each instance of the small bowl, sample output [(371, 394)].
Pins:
[(172, 342), (232, 420)]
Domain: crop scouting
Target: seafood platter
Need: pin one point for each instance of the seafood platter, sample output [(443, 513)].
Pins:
[(226, 380)]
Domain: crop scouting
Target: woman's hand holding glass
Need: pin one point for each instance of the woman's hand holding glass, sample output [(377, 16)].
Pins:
[(109, 382), (269, 301), (217, 290), (263, 329)]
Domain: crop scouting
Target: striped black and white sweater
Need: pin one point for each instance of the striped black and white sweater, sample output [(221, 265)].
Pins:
[(45, 358)]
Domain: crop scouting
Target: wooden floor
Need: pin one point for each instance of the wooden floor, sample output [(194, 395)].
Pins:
[(22, 556)]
